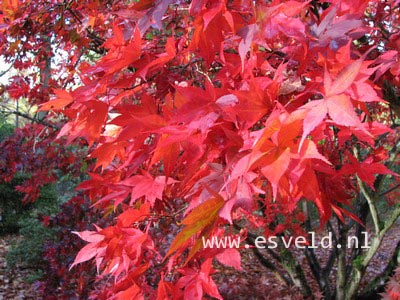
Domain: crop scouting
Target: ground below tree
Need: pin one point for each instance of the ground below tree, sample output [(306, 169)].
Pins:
[(254, 282)]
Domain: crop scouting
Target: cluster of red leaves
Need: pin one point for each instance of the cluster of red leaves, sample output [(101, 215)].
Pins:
[(392, 290), (57, 282), (32, 33), (32, 151), (215, 109)]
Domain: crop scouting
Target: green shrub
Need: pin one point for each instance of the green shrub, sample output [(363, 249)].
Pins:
[(12, 210), (6, 129), (27, 251)]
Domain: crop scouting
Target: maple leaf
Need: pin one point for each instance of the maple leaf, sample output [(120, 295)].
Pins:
[(88, 123), (197, 220), (165, 289), (166, 152), (196, 283), (335, 103), (61, 100), (247, 33), (86, 253), (162, 59), (112, 61), (131, 215), (220, 96), (10, 8), (121, 246), (275, 170), (105, 153), (374, 128), (147, 186), (133, 292), (339, 211), (366, 170), (153, 15), (230, 257), (334, 27)]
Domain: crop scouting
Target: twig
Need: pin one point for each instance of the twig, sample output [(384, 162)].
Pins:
[(28, 117), (371, 204), (390, 190), (5, 71)]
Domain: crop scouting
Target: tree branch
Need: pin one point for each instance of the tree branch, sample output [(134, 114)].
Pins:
[(28, 117), (369, 198), (263, 260), (390, 190), (378, 283), (5, 71), (371, 204)]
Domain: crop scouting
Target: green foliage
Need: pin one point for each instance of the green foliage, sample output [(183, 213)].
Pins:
[(357, 262), (28, 251), (12, 210), (6, 128)]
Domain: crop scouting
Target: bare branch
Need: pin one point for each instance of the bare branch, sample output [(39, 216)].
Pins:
[(390, 190), (30, 118), (370, 200)]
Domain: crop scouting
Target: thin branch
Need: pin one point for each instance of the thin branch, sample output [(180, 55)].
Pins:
[(341, 275), (270, 265), (366, 257), (335, 239), (5, 71), (270, 252), (28, 117), (363, 213), (391, 219), (393, 155), (184, 66), (390, 190), (377, 284), (370, 200), (371, 204), (333, 255)]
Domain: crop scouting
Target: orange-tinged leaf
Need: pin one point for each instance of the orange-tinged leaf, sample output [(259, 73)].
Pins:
[(309, 150), (168, 154), (205, 233), (201, 216), (204, 210), (131, 215), (289, 132), (61, 100), (10, 7), (275, 170), (272, 125), (105, 153)]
